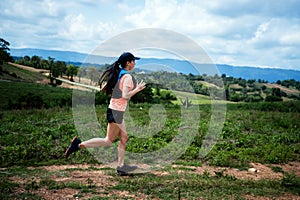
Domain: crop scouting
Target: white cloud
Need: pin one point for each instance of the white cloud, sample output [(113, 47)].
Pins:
[(261, 30), (236, 31), (31, 11), (186, 18), (275, 33), (291, 36)]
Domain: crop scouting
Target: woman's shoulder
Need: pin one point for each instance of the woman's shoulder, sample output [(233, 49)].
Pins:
[(127, 77)]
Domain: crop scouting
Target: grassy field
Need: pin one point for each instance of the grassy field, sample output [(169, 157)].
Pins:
[(34, 138), (13, 73), (265, 136), (193, 98), (22, 95)]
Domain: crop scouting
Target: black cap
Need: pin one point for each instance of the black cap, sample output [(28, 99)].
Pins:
[(126, 56)]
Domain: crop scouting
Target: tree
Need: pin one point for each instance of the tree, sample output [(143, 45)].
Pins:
[(276, 92), (60, 68), (275, 96), (278, 82), (44, 64), (26, 60), (272, 98), (80, 73), (71, 71), (92, 74), (50, 67), (4, 51), (35, 62)]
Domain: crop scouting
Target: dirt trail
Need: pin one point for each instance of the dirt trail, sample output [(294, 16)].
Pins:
[(103, 180), (44, 71)]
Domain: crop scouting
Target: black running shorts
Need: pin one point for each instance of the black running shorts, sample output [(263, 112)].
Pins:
[(114, 116)]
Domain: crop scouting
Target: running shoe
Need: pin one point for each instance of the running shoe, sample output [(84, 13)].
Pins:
[(123, 171), (73, 147)]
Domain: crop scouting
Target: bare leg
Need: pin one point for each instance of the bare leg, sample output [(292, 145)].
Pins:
[(122, 144), (95, 142), (112, 132)]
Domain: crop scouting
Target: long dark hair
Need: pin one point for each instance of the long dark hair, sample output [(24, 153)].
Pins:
[(111, 75), (110, 78)]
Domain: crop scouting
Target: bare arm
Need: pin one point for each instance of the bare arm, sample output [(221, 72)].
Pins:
[(127, 94)]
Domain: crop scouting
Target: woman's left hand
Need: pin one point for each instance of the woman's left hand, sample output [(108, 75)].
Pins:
[(140, 85)]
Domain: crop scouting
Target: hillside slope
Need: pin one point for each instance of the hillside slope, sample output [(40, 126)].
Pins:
[(181, 66), (15, 72)]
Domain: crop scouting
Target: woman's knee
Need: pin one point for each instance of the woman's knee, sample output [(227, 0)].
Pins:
[(108, 141), (123, 137)]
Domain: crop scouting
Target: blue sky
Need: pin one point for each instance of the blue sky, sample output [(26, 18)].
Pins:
[(238, 32)]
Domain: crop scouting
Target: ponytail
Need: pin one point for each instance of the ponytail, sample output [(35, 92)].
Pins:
[(109, 78)]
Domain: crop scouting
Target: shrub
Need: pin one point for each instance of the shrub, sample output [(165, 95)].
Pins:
[(272, 98)]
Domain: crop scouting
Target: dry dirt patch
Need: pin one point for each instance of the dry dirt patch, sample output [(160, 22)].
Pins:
[(93, 175), (284, 197), (256, 172), (291, 168), (287, 90), (44, 71), (98, 177)]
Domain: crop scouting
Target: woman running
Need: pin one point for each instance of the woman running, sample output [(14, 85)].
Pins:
[(121, 86)]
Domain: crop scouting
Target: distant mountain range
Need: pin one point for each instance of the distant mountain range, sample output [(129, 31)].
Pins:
[(172, 65)]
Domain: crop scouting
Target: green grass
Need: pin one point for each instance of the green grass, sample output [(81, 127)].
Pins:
[(252, 132), (258, 136), (18, 95), (194, 98), (13, 73), (41, 135)]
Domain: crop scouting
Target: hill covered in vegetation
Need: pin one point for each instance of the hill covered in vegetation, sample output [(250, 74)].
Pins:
[(180, 66), (224, 87)]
